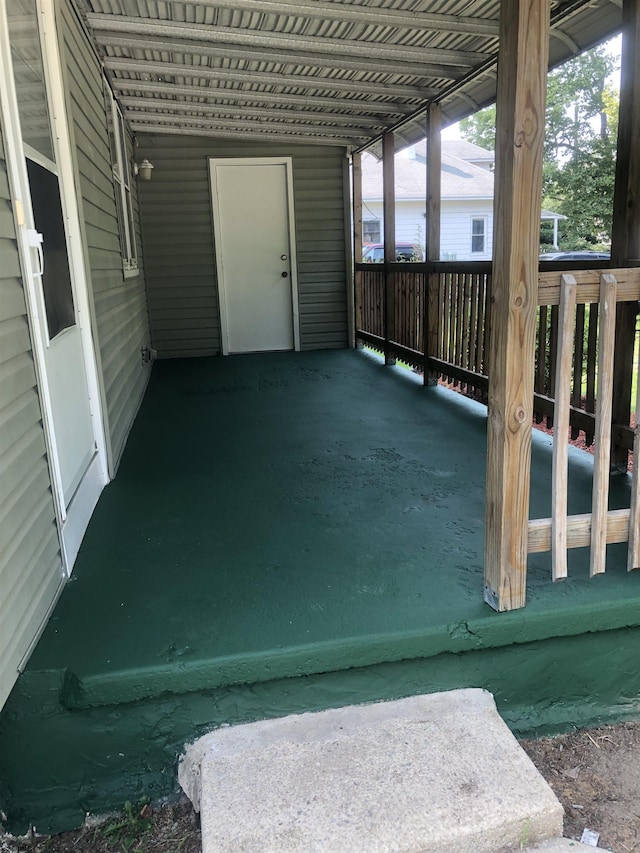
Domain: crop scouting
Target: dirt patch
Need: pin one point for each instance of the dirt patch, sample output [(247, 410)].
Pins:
[(137, 829), (596, 776)]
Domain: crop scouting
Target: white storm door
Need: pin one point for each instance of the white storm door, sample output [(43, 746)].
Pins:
[(255, 254), (63, 352), (42, 180)]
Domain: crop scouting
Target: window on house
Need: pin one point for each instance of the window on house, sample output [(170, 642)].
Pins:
[(478, 234), (371, 231), (122, 184)]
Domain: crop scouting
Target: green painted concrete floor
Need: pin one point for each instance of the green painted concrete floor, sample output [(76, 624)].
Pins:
[(292, 532), (293, 513)]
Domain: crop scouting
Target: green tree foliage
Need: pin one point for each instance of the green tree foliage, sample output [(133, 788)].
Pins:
[(580, 147)]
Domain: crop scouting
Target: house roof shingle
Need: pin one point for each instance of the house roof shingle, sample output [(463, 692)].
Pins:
[(460, 178)]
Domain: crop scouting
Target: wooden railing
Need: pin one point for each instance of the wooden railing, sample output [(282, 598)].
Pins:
[(600, 527), (392, 313), (436, 317), (457, 314)]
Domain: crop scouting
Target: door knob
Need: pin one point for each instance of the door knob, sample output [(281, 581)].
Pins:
[(285, 274)]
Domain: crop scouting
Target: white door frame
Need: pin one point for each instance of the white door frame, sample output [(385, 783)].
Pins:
[(72, 519), (287, 162)]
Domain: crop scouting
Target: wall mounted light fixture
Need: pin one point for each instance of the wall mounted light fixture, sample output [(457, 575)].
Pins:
[(143, 170)]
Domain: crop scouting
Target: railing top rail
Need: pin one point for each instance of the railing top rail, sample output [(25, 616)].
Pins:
[(427, 266), (588, 281)]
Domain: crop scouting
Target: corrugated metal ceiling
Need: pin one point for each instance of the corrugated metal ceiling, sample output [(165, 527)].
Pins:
[(313, 71)]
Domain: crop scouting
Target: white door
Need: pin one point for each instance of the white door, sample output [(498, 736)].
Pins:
[(255, 254), (52, 263)]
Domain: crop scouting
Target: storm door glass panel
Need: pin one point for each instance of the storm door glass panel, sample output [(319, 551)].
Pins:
[(35, 127), (56, 279), (28, 72)]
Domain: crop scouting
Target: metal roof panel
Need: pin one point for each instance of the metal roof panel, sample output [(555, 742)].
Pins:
[(400, 53)]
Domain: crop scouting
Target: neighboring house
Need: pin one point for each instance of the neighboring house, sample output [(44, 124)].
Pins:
[(467, 200)]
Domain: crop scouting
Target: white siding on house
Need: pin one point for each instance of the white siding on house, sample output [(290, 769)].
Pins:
[(120, 309), (410, 220), (455, 224), (455, 240)]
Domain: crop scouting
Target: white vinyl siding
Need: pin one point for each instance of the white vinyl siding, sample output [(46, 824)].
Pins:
[(31, 572), (456, 227), (120, 309), (455, 224)]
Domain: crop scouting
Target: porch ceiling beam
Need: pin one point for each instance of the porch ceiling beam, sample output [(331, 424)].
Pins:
[(257, 54), (233, 111), (266, 78), (365, 15), (107, 24), (346, 136), (327, 105), (223, 133)]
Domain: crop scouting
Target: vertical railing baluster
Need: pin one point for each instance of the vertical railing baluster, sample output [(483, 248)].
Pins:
[(600, 500), (466, 322), (473, 325), (541, 359), (564, 338), (578, 360), (633, 561), (592, 354), (553, 347), (446, 318)]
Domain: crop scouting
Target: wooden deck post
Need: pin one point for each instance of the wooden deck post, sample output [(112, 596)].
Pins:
[(389, 214), (431, 282), (522, 73), (356, 177), (625, 233)]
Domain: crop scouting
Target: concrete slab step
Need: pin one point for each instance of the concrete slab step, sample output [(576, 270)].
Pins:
[(439, 773)]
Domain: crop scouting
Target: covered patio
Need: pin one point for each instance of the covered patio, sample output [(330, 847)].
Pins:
[(291, 530), (294, 531)]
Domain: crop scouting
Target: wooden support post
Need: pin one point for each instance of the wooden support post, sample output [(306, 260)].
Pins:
[(356, 170), (601, 463), (566, 325), (522, 73), (432, 280), (633, 561), (356, 177), (389, 214), (625, 233)]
